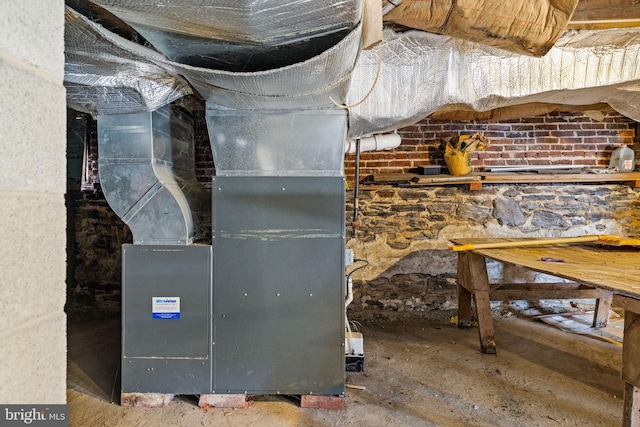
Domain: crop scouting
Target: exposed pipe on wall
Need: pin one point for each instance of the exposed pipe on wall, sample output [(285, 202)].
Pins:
[(385, 141), (372, 143), (356, 190)]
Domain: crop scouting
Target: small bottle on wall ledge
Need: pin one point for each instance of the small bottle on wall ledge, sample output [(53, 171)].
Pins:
[(623, 158)]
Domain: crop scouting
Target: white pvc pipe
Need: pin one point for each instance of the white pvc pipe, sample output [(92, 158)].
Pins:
[(349, 292), (386, 141)]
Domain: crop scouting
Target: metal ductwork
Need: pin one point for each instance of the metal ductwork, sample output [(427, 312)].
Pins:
[(224, 318), (271, 73), (146, 173), (107, 74), (239, 35), (147, 164)]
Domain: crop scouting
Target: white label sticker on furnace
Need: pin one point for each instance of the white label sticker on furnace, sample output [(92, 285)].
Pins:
[(165, 307)]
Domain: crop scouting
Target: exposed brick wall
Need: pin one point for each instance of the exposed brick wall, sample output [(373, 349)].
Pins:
[(554, 138), (205, 168), (551, 139)]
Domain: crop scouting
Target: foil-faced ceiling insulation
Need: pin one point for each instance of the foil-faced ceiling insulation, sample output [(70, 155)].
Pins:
[(107, 74), (419, 74), (239, 35), (422, 73), (273, 54)]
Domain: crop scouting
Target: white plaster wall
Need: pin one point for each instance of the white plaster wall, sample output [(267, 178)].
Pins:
[(32, 210)]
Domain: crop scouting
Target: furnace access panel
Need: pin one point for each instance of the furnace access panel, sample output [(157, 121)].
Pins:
[(166, 325)]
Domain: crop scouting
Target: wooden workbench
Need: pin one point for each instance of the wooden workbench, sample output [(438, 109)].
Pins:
[(595, 271)]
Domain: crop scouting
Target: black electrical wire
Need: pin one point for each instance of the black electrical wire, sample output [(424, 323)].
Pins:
[(357, 268)]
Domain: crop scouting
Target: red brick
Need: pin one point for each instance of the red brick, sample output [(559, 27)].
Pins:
[(400, 163), (410, 141), (494, 162), (561, 162), (534, 119), (563, 133), (499, 127), (593, 126), (539, 162), (546, 127), (222, 401), (375, 164), (145, 400), (322, 402)]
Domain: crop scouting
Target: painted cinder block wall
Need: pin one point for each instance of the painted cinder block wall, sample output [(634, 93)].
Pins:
[(32, 203)]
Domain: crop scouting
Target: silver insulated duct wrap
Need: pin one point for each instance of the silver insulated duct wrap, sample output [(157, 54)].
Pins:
[(239, 35), (107, 74), (310, 84), (258, 54), (422, 73)]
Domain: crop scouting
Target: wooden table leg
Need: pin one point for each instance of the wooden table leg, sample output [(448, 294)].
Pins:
[(603, 305), (464, 296), (631, 364), (631, 414), (475, 279)]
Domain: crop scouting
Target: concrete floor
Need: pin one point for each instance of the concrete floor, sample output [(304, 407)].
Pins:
[(417, 373)]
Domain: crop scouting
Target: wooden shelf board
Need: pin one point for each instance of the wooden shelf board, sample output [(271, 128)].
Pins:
[(475, 180)]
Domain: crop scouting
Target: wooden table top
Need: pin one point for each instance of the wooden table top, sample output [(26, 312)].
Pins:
[(615, 268)]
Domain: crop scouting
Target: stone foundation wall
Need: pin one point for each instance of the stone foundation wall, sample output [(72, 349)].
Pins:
[(405, 232), (94, 254)]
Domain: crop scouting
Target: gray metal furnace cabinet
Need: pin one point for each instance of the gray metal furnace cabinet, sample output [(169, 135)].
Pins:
[(166, 319), (263, 313), (278, 285)]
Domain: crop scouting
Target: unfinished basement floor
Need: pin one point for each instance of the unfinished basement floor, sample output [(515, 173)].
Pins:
[(417, 373)]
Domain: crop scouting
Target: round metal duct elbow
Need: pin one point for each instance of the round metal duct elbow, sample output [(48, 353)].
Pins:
[(387, 141)]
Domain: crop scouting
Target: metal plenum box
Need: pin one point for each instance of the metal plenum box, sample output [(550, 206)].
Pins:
[(166, 325), (278, 293)]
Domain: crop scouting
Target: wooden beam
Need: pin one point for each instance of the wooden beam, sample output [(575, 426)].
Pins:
[(464, 296), (596, 14), (628, 303), (603, 305), (540, 286), (603, 24), (631, 361), (524, 242), (480, 279), (524, 178), (515, 294), (631, 349), (631, 409)]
